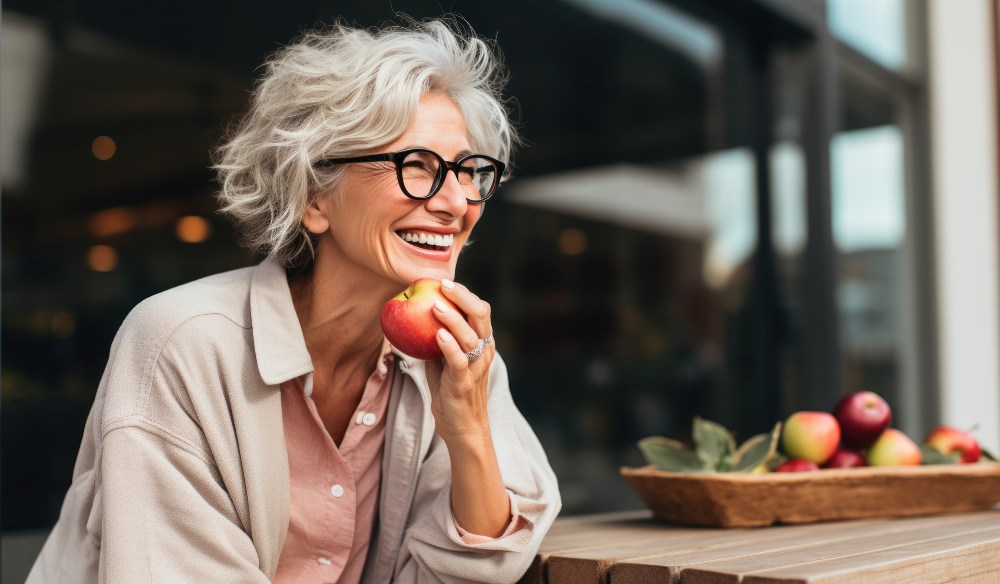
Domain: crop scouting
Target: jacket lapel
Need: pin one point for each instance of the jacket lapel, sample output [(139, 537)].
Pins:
[(409, 432), (281, 355)]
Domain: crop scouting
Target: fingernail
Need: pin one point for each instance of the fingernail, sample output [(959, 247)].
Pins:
[(440, 306), (447, 283)]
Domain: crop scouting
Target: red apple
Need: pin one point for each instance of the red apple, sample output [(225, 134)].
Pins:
[(796, 465), (408, 321), (947, 440), (845, 459), (893, 448), (863, 416), (810, 436)]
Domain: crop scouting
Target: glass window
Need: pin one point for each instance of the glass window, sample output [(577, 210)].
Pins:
[(877, 28), (867, 183), (871, 207)]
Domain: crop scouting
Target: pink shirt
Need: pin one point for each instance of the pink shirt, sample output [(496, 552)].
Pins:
[(334, 491)]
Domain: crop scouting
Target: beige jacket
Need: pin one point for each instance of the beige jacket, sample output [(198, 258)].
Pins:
[(182, 475)]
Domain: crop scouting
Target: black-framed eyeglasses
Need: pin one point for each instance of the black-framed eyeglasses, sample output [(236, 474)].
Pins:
[(422, 172)]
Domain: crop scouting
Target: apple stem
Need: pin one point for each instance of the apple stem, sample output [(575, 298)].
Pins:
[(974, 428)]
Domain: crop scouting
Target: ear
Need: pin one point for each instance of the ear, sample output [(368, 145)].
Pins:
[(314, 218)]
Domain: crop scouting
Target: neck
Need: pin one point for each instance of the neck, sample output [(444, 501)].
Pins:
[(339, 316)]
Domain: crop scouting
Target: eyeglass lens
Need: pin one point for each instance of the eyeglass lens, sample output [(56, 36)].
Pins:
[(422, 174)]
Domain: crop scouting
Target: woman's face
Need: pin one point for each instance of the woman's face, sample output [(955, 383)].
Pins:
[(369, 216)]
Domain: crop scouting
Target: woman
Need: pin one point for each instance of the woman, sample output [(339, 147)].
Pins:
[(255, 426)]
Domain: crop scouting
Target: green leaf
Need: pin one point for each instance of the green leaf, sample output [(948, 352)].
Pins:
[(756, 450), (931, 455), (988, 455), (713, 442), (670, 455)]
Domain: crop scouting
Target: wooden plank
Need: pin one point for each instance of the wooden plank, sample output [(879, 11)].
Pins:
[(588, 532), (966, 557), (591, 564), (732, 571), (669, 565)]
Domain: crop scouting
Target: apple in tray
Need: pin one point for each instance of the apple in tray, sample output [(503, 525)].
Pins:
[(893, 448), (408, 321), (796, 465), (949, 440), (844, 458), (863, 416), (812, 436)]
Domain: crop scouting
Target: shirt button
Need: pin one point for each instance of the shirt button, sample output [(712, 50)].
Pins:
[(360, 418), (324, 561), (369, 419), (337, 490)]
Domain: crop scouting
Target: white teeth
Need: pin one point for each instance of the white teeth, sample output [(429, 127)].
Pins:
[(434, 239)]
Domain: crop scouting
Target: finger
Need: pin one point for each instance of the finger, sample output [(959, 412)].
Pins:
[(453, 353), (478, 310), (456, 325)]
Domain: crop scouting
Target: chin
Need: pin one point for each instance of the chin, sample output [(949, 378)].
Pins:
[(433, 273), (407, 272)]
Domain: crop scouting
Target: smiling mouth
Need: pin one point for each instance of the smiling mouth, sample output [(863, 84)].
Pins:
[(428, 241)]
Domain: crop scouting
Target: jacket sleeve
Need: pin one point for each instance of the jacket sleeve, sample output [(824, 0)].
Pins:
[(437, 550), (166, 515), (148, 503)]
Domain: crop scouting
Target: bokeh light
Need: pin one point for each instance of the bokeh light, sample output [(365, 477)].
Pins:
[(63, 324), (193, 229), (102, 258), (572, 241), (103, 147), (112, 221)]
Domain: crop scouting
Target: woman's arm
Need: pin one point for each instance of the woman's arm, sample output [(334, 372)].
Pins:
[(461, 414), (150, 500), (478, 497), (435, 549)]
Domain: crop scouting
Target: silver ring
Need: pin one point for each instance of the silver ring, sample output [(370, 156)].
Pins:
[(488, 340), (476, 353)]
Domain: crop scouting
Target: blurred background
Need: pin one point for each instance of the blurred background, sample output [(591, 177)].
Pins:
[(727, 208)]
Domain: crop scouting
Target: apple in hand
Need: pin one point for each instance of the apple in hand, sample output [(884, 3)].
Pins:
[(863, 416), (893, 448), (810, 436), (843, 458), (796, 465), (947, 440), (408, 321)]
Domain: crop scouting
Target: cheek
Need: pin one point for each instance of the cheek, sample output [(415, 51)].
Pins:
[(472, 216), (372, 202)]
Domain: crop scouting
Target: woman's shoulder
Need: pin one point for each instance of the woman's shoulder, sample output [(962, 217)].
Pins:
[(194, 306)]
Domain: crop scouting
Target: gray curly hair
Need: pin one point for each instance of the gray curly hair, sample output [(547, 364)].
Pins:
[(344, 91)]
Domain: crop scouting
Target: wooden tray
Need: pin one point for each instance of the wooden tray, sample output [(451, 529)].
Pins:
[(748, 500)]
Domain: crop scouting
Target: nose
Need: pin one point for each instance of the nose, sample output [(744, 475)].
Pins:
[(450, 198)]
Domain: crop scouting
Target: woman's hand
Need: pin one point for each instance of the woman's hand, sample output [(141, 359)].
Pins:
[(479, 499), (459, 398)]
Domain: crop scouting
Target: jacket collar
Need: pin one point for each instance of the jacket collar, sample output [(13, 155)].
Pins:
[(278, 343)]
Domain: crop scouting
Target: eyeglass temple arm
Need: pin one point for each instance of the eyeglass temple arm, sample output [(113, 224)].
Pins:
[(368, 158)]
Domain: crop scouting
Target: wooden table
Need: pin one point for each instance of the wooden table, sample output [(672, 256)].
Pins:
[(634, 548)]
